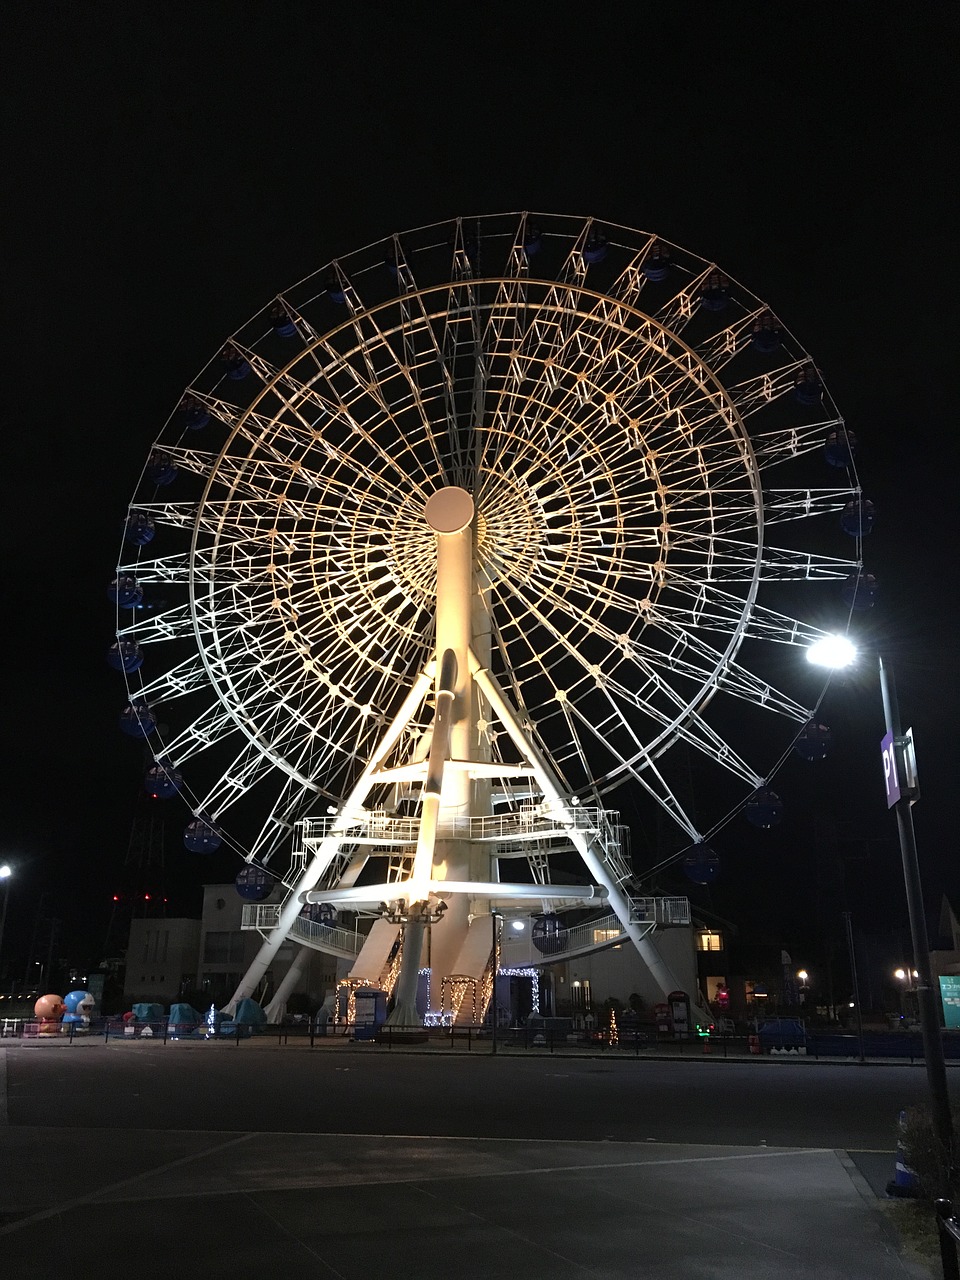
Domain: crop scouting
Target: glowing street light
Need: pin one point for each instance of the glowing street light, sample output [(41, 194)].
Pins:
[(899, 772), (6, 871)]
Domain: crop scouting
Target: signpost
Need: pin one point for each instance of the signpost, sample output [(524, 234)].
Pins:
[(950, 999)]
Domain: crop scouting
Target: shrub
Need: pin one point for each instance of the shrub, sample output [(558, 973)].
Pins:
[(926, 1156)]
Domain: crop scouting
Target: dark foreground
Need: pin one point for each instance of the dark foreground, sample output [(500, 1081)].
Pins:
[(212, 1160)]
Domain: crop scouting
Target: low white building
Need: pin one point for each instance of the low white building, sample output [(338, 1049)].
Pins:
[(172, 957)]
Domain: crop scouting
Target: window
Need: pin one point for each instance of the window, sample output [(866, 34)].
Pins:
[(707, 940), (223, 948), (580, 993), (606, 935)]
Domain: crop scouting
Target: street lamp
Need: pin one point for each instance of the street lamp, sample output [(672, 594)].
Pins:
[(899, 773), (804, 979), (6, 871)]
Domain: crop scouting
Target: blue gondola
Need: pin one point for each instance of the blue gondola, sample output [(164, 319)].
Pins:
[(125, 591), (532, 240), (282, 322), (839, 446), (807, 387), (549, 934), (201, 836), (161, 469), (237, 366), (813, 741), (766, 336), (858, 517), (715, 294), (253, 883), (125, 655), (656, 265), (162, 781), (596, 248), (860, 591), (764, 809), (701, 865), (139, 528), (195, 415), (335, 291), (137, 720)]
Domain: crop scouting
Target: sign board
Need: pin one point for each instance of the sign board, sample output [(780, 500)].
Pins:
[(891, 777), (950, 999)]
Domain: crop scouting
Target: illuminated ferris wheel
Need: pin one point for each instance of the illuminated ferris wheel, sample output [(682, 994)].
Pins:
[(622, 433)]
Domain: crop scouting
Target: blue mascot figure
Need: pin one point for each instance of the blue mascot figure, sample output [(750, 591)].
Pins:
[(80, 1006)]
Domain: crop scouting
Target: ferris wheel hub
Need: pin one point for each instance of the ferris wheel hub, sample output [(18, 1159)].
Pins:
[(449, 510)]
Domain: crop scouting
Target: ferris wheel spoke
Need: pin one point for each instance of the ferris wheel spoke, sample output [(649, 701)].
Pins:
[(723, 613), (643, 770), (185, 678), (248, 768), (382, 364), (677, 313), (773, 447), (213, 725), (345, 404), (172, 624), (626, 289), (729, 675), (721, 348), (731, 512), (755, 393)]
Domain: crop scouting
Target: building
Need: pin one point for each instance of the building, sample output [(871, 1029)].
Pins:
[(203, 960)]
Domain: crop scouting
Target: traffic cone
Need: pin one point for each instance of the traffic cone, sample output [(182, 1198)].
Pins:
[(905, 1184)]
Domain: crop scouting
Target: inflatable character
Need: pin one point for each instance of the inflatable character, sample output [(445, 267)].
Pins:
[(48, 1011), (80, 1005)]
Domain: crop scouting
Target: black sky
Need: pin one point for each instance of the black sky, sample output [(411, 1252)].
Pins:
[(170, 168)]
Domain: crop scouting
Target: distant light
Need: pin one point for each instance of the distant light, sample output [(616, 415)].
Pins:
[(851, 1005), (803, 975), (519, 925), (901, 974), (834, 652), (6, 871), (146, 897)]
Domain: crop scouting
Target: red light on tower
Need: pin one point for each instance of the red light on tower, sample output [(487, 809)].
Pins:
[(146, 897), (116, 897)]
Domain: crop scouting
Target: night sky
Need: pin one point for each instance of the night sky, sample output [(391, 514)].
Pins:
[(169, 169)]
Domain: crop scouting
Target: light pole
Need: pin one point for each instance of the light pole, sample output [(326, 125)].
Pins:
[(495, 918), (906, 981), (900, 777), (6, 871)]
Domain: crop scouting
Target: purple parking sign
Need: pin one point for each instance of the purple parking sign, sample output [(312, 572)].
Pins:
[(891, 778)]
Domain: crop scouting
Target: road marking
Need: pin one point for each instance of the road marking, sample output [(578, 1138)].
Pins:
[(115, 1186)]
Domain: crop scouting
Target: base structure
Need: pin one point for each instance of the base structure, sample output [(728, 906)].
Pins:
[(441, 899)]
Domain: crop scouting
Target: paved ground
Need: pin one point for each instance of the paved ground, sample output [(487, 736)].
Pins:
[(212, 1160)]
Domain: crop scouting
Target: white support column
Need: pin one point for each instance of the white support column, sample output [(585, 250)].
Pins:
[(445, 811), (330, 844), (550, 786)]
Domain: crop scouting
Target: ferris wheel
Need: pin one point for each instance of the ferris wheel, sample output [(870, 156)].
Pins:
[(639, 449)]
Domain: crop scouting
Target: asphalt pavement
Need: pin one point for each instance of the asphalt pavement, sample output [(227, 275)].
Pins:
[(214, 1159)]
